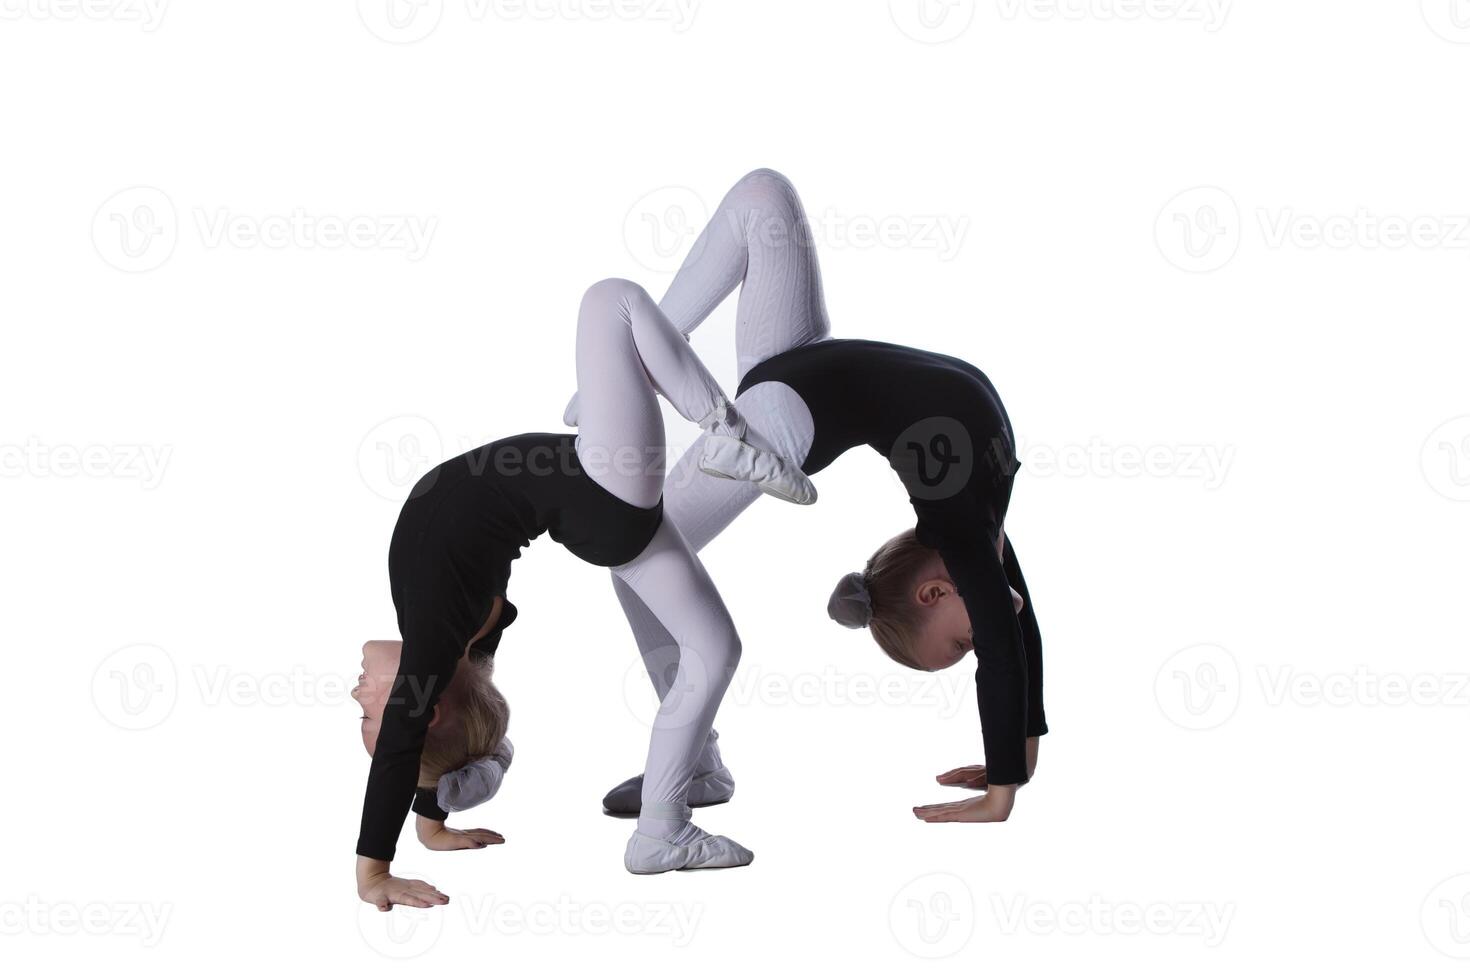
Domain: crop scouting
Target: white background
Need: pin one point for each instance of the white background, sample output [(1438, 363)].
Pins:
[(1178, 231)]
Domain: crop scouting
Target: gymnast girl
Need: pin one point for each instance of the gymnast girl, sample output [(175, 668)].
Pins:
[(948, 585), (433, 720)]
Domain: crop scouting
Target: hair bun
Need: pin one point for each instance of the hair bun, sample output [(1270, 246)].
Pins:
[(850, 604), (476, 781)]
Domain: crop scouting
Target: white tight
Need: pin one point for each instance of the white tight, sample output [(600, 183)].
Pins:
[(758, 239), (626, 350)]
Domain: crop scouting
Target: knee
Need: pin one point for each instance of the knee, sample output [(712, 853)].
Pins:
[(727, 653), (613, 294), (764, 187), (764, 179)]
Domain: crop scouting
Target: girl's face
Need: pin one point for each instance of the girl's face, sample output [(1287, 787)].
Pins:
[(379, 670), (944, 639), (946, 635)]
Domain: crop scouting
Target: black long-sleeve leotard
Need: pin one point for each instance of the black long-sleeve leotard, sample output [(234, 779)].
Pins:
[(460, 529), (943, 429)]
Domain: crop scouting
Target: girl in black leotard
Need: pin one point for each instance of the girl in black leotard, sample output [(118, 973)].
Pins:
[(952, 584), (429, 705), (939, 423)]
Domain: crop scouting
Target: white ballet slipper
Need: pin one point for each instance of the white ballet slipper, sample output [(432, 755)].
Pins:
[(735, 459), (706, 789), (648, 855)]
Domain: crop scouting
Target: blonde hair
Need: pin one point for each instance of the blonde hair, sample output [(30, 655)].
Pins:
[(890, 577), (473, 721)]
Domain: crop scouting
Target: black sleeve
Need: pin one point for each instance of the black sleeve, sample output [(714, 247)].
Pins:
[(426, 804), (1000, 679), (424, 671), (1031, 639)]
